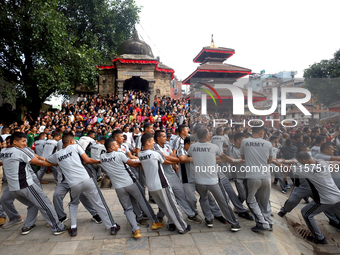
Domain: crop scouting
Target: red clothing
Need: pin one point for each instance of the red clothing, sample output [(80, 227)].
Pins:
[(164, 119), (151, 119)]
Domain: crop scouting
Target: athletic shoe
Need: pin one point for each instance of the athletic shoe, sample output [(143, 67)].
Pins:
[(258, 229), (172, 227), (114, 230), (235, 228), (72, 232), (209, 223), (186, 230), (221, 219), (334, 224), (137, 234), (12, 223), (270, 227), (160, 219), (317, 241), (2, 221), (275, 182), (158, 225), (143, 223), (99, 178), (62, 220), (246, 216), (287, 186), (96, 218), (195, 219), (281, 214), (284, 191), (27, 230)]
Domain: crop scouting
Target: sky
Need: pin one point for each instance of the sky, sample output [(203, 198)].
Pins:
[(266, 35)]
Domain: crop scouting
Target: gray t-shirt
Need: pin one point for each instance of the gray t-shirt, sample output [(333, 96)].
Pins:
[(235, 153), (322, 184), (39, 147), (97, 150), (335, 174), (219, 140), (256, 152), (204, 159), (17, 167), (86, 142), (177, 143), (315, 150), (152, 163), (139, 143), (187, 169), (114, 164), (49, 148), (168, 169), (69, 161)]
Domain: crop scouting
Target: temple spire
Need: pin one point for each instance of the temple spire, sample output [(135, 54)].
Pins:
[(212, 45)]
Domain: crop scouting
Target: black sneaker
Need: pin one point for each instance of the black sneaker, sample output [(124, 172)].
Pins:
[(62, 220), (281, 214), (275, 182), (172, 227), (72, 232), (246, 216), (270, 227), (96, 218), (114, 230), (143, 223), (27, 230), (221, 219), (209, 223), (235, 228), (186, 230), (258, 229), (195, 219), (317, 241), (334, 224)]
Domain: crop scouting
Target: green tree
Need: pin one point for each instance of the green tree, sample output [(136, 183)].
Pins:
[(323, 80), (51, 47)]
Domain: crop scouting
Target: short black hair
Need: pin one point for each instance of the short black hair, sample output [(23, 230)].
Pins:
[(91, 132), (181, 128), (157, 134), (109, 142), (273, 137), (116, 133), (55, 134), (17, 136), (41, 135), (306, 137), (288, 141), (67, 137), (302, 155), (238, 136), (147, 125), (256, 130), (302, 148), (297, 136), (319, 139), (202, 133), (146, 137), (102, 138), (219, 130)]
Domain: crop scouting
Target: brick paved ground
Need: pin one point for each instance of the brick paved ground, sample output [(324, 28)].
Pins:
[(94, 239)]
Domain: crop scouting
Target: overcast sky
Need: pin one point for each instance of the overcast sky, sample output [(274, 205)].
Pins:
[(266, 35)]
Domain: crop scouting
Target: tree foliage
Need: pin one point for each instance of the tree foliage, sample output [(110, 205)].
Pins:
[(323, 80), (51, 46)]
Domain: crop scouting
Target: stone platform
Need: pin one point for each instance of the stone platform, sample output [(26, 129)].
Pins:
[(95, 239)]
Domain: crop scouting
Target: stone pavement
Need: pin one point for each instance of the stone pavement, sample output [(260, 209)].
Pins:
[(94, 239)]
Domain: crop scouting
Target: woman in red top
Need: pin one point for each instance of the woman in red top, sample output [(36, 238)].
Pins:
[(150, 118)]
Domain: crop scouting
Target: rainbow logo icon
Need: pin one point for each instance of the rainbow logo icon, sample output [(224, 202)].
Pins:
[(209, 93)]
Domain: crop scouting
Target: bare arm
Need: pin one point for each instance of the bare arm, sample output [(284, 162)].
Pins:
[(270, 159), (36, 161), (133, 163), (137, 151), (173, 160), (129, 154), (89, 160), (185, 159)]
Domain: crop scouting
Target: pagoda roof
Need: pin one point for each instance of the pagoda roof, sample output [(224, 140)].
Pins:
[(226, 94), (213, 52), (335, 107), (217, 70)]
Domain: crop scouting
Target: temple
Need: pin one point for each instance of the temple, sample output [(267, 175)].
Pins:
[(135, 68), (213, 74)]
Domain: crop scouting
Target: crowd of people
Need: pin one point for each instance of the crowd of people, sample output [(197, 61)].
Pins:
[(170, 154)]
